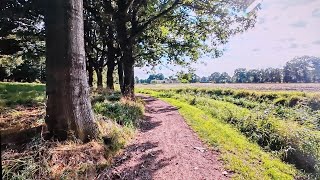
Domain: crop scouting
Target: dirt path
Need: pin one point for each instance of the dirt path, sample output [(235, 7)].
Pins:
[(165, 148)]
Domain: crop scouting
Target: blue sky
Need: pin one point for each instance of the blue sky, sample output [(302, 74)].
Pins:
[(285, 29)]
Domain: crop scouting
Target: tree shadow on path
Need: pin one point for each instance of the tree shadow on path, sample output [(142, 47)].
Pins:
[(139, 161)]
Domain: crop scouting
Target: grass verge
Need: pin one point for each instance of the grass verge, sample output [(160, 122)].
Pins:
[(242, 157)]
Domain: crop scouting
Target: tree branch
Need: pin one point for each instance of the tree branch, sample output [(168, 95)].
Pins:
[(129, 5), (154, 18)]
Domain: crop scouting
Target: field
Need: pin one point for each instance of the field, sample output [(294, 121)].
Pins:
[(307, 87), (262, 130)]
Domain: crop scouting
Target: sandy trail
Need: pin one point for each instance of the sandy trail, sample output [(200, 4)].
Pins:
[(165, 148)]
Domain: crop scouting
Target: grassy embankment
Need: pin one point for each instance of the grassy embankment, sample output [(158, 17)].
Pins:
[(22, 108), (258, 133)]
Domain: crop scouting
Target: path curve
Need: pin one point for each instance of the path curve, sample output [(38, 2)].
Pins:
[(165, 148)]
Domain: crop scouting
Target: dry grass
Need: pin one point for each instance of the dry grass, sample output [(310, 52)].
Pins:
[(49, 159), (54, 160), (21, 117)]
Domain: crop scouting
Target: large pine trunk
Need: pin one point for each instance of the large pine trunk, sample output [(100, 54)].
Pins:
[(68, 109)]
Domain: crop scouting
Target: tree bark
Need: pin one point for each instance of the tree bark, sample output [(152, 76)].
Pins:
[(120, 74), (126, 47), (68, 107), (128, 80), (99, 77), (110, 85), (111, 58), (90, 74)]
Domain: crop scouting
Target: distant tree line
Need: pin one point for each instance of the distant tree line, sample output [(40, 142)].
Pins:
[(305, 69)]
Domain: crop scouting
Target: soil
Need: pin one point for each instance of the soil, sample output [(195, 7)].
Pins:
[(165, 148)]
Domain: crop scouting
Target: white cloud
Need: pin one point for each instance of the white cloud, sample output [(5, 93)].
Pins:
[(299, 24), (316, 13)]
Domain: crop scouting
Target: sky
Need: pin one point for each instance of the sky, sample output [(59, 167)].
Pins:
[(284, 29)]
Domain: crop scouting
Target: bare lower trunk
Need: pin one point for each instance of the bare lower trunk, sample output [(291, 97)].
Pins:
[(68, 107), (90, 76), (128, 81), (110, 85), (120, 74), (99, 77)]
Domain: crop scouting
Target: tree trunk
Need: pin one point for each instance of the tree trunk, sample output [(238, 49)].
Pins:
[(126, 47), (110, 85), (90, 75), (68, 107), (120, 74), (128, 81), (99, 77), (111, 55)]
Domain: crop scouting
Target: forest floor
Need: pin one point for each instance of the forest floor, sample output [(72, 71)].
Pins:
[(165, 148)]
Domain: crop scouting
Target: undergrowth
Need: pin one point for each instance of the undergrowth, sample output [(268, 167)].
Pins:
[(116, 118)]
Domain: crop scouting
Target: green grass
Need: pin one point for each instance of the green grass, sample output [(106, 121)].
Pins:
[(285, 139), (247, 160), (27, 94)]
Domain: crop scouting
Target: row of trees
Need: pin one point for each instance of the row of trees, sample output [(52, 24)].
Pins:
[(84, 36), (305, 69), (123, 34)]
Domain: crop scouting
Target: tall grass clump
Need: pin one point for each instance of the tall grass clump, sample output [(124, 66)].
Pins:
[(125, 112)]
